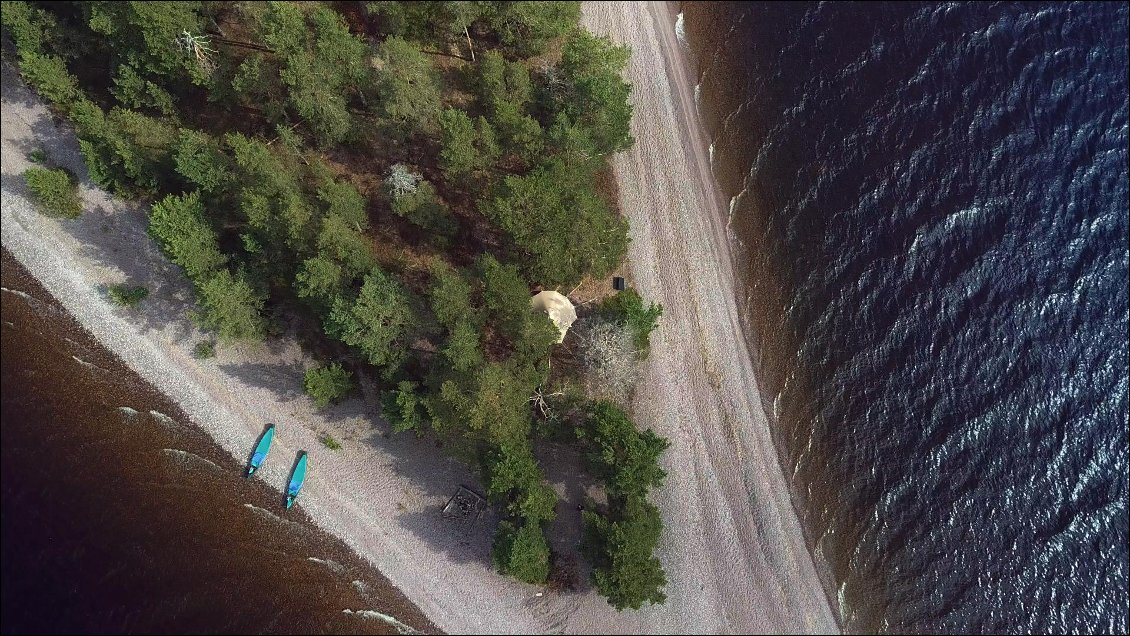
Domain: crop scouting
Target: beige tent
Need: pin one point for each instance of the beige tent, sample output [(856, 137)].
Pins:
[(557, 307)]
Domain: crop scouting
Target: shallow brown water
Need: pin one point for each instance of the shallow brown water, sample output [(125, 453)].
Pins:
[(129, 522)]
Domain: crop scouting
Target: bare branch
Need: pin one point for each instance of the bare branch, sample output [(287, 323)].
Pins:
[(608, 356)]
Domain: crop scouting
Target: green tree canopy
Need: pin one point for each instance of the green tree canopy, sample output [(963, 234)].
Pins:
[(377, 322), (231, 307), (323, 73), (408, 86), (450, 297), (272, 200), (31, 28), (527, 27), (558, 222), (522, 552), (144, 35), (343, 200), (200, 159), (342, 242), (125, 150), (319, 280), (506, 296), (49, 75), (467, 147), (134, 91), (426, 21), (597, 97), (315, 71), (624, 570), (626, 458), (500, 81), (491, 403), (178, 225)]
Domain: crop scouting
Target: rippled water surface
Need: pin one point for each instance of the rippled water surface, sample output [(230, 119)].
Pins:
[(930, 203)]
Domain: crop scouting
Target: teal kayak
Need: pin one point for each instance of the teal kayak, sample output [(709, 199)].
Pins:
[(297, 476), (261, 449)]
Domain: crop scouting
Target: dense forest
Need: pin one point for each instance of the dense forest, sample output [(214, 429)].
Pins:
[(390, 181)]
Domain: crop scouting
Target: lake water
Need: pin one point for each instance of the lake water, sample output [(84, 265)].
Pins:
[(930, 208)]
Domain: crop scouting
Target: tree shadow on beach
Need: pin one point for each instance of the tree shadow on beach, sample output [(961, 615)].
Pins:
[(436, 476), (565, 470), (284, 379), (111, 234)]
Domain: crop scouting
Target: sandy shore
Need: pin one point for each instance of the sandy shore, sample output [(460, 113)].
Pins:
[(733, 548)]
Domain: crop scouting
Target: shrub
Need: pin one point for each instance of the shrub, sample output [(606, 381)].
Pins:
[(126, 295), (328, 384), (48, 75), (522, 552), (329, 442), (402, 408), (424, 209), (231, 307), (55, 191), (204, 349), (608, 356), (37, 156), (624, 570), (627, 307)]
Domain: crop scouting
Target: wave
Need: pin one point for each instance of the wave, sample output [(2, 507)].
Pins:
[(334, 566), (936, 211), (87, 364), (400, 627), (21, 294), (191, 460), (165, 420), (267, 514)]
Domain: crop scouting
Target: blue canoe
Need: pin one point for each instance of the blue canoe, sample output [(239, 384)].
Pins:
[(261, 449), (297, 476)]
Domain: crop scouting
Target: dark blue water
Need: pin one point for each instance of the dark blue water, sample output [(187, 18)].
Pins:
[(931, 201)]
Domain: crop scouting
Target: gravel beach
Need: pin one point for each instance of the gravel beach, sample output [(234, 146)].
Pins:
[(733, 548)]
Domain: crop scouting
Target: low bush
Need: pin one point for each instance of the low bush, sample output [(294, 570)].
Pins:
[(328, 384), (627, 307), (127, 295), (204, 349), (55, 191)]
